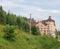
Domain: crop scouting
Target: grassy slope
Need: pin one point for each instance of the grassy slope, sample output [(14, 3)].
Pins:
[(27, 41)]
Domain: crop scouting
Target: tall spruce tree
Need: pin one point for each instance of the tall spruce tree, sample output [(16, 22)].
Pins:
[(2, 16)]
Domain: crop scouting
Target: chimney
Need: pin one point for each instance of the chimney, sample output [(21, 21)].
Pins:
[(49, 17)]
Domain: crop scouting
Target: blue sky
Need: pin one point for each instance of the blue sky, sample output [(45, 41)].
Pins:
[(40, 9)]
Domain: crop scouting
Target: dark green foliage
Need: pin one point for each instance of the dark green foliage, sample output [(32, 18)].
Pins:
[(19, 22), (25, 19), (1, 8), (2, 16), (11, 19), (22, 24), (58, 34), (25, 26), (35, 30), (9, 33)]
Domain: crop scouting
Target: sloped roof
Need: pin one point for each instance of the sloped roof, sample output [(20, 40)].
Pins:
[(43, 21), (50, 19)]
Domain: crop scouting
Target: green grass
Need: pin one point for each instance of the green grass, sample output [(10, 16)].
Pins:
[(24, 40)]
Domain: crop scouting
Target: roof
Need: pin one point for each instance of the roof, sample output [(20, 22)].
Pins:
[(32, 21), (50, 19), (43, 21)]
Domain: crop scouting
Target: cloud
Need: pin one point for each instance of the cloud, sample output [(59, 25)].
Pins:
[(54, 11), (7, 3), (47, 2), (49, 11), (28, 8)]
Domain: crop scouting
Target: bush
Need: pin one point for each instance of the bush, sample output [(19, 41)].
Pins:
[(9, 33), (35, 30), (25, 26)]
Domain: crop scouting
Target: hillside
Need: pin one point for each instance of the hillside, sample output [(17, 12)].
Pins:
[(24, 40), (15, 34)]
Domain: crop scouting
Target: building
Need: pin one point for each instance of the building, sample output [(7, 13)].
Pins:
[(47, 26)]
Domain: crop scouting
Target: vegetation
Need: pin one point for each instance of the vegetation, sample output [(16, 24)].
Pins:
[(14, 34), (58, 35), (21, 22), (35, 30), (9, 33), (2, 16), (24, 40)]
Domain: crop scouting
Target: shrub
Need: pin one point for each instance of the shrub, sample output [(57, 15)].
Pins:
[(35, 30), (9, 33)]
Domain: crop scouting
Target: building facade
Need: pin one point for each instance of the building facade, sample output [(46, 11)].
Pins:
[(47, 26)]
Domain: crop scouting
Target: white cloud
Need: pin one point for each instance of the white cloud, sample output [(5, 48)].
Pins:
[(38, 9), (49, 11), (47, 2), (29, 8), (7, 3), (54, 11)]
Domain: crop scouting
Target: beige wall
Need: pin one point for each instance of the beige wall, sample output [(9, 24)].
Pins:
[(46, 30), (51, 26)]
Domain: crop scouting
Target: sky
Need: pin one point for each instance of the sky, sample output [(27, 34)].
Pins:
[(40, 9)]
